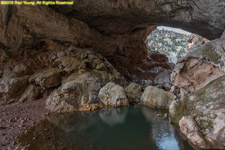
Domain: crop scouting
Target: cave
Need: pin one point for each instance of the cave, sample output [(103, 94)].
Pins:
[(92, 56)]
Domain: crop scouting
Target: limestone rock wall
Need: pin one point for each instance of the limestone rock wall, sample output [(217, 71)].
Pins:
[(200, 113), (203, 17), (200, 66), (205, 109), (33, 38), (116, 29), (24, 26)]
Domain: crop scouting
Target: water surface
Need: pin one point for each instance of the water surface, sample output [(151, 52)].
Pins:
[(123, 128)]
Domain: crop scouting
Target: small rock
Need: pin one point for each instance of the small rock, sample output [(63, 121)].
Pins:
[(14, 143), (61, 54), (21, 125), (159, 115), (165, 115), (163, 80), (46, 78)]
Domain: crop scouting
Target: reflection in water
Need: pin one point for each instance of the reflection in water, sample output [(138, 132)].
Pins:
[(161, 132), (125, 128), (168, 142), (74, 121), (113, 116)]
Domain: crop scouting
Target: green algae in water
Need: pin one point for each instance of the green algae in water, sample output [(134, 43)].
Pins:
[(122, 128)]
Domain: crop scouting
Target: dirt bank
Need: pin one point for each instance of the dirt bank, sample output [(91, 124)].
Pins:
[(16, 118)]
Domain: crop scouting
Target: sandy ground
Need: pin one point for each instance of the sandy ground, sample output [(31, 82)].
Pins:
[(16, 118)]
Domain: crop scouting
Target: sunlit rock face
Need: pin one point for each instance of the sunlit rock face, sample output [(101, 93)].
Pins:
[(201, 115), (195, 74), (200, 66)]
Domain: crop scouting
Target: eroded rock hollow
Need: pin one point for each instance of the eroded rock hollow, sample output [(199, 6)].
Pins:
[(116, 29), (70, 53)]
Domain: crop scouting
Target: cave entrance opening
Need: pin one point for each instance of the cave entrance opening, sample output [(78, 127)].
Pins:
[(166, 47), (173, 42)]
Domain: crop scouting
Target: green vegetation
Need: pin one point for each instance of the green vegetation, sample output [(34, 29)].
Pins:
[(164, 42), (205, 124)]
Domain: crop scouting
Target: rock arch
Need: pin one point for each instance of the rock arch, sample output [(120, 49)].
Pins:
[(116, 29), (34, 37)]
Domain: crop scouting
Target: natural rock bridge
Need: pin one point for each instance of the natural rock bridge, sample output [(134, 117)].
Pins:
[(68, 53), (116, 29)]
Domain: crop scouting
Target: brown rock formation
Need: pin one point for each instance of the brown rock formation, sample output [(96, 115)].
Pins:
[(196, 74), (200, 66), (125, 51), (33, 38), (133, 92), (119, 17), (116, 29), (201, 115)]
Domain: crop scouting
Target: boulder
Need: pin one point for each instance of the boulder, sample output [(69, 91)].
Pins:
[(85, 73), (75, 92), (157, 98), (21, 69), (133, 91), (206, 107), (32, 92), (163, 80), (46, 78), (79, 92), (113, 95), (11, 87), (200, 66), (190, 129), (146, 83)]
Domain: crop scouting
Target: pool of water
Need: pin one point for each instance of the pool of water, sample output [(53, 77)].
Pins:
[(123, 128)]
